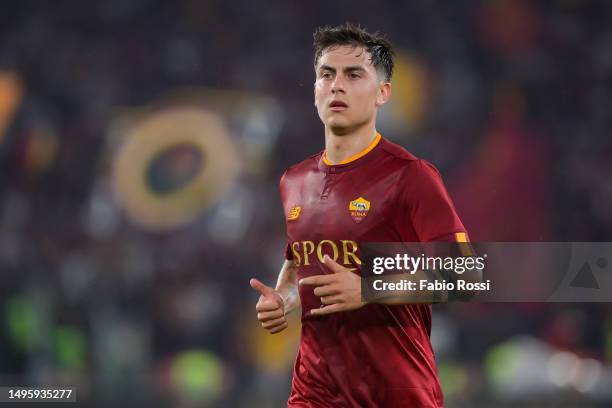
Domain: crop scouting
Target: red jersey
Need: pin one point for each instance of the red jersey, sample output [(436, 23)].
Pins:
[(379, 355)]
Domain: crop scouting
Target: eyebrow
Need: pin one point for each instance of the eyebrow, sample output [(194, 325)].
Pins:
[(346, 69)]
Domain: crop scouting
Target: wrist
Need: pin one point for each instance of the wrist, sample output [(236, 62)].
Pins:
[(289, 296)]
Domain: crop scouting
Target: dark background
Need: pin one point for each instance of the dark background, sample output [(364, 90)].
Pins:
[(141, 144)]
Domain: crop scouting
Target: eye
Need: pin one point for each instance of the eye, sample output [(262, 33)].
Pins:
[(354, 75), (326, 75)]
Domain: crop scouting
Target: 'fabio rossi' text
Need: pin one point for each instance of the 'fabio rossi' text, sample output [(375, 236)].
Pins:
[(436, 285)]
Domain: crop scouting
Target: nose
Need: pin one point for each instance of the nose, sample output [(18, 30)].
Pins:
[(337, 85)]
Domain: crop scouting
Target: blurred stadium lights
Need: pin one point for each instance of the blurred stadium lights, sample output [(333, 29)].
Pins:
[(71, 348), (11, 94), (514, 370), (197, 375), (25, 324), (454, 378), (41, 148)]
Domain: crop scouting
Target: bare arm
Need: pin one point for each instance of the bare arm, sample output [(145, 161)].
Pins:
[(287, 286)]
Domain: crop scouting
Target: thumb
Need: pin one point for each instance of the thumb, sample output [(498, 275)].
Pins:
[(263, 289), (333, 266)]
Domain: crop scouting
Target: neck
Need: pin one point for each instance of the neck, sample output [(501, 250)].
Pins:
[(340, 148)]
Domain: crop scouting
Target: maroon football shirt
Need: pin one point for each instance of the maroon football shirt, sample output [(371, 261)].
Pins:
[(379, 355)]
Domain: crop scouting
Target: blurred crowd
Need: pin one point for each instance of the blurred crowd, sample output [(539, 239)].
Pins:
[(122, 276)]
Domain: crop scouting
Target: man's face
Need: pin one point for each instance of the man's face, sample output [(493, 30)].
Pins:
[(347, 89)]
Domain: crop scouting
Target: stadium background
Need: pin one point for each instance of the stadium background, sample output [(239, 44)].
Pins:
[(141, 144)]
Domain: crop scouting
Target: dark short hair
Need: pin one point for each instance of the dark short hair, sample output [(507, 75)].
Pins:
[(354, 35)]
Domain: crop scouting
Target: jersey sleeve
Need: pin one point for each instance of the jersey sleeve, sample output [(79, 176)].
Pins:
[(288, 252), (427, 207)]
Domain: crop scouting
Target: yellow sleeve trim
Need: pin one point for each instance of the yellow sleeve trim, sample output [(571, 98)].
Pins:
[(461, 237), (358, 155), (465, 249)]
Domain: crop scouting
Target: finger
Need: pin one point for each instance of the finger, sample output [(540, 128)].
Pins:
[(325, 310), (318, 280), (272, 324), (330, 300), (268, 305), (263, 289), (265, 316), (334, 266), (278, 329), (326, 290)]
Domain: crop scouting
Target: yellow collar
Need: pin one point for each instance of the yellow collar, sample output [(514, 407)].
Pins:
[(358, 155)]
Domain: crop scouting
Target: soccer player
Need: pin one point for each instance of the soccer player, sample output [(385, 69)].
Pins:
[(361, 188)]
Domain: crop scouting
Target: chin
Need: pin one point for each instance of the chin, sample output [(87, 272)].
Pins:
[(341, 126), (340, 130), (338, 126)]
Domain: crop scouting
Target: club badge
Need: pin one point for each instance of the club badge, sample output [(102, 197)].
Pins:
[(359, 209)]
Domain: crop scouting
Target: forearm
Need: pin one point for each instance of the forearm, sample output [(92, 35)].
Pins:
[(286, 285)]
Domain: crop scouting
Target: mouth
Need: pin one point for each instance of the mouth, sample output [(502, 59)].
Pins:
[(337, 106)]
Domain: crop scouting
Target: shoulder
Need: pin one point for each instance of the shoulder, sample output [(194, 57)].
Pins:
[(396, 151), (415, 173), (301, 168), (410, 164)]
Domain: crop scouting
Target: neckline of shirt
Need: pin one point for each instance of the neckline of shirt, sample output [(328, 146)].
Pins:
[(352, 161)]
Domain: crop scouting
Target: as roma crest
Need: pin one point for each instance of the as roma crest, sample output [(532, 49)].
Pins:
[(359, 209)]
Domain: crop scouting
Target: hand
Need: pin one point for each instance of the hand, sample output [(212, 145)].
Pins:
[(270, 308), (339, 291)]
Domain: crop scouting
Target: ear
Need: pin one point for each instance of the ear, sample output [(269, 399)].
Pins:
[(384, 93)]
